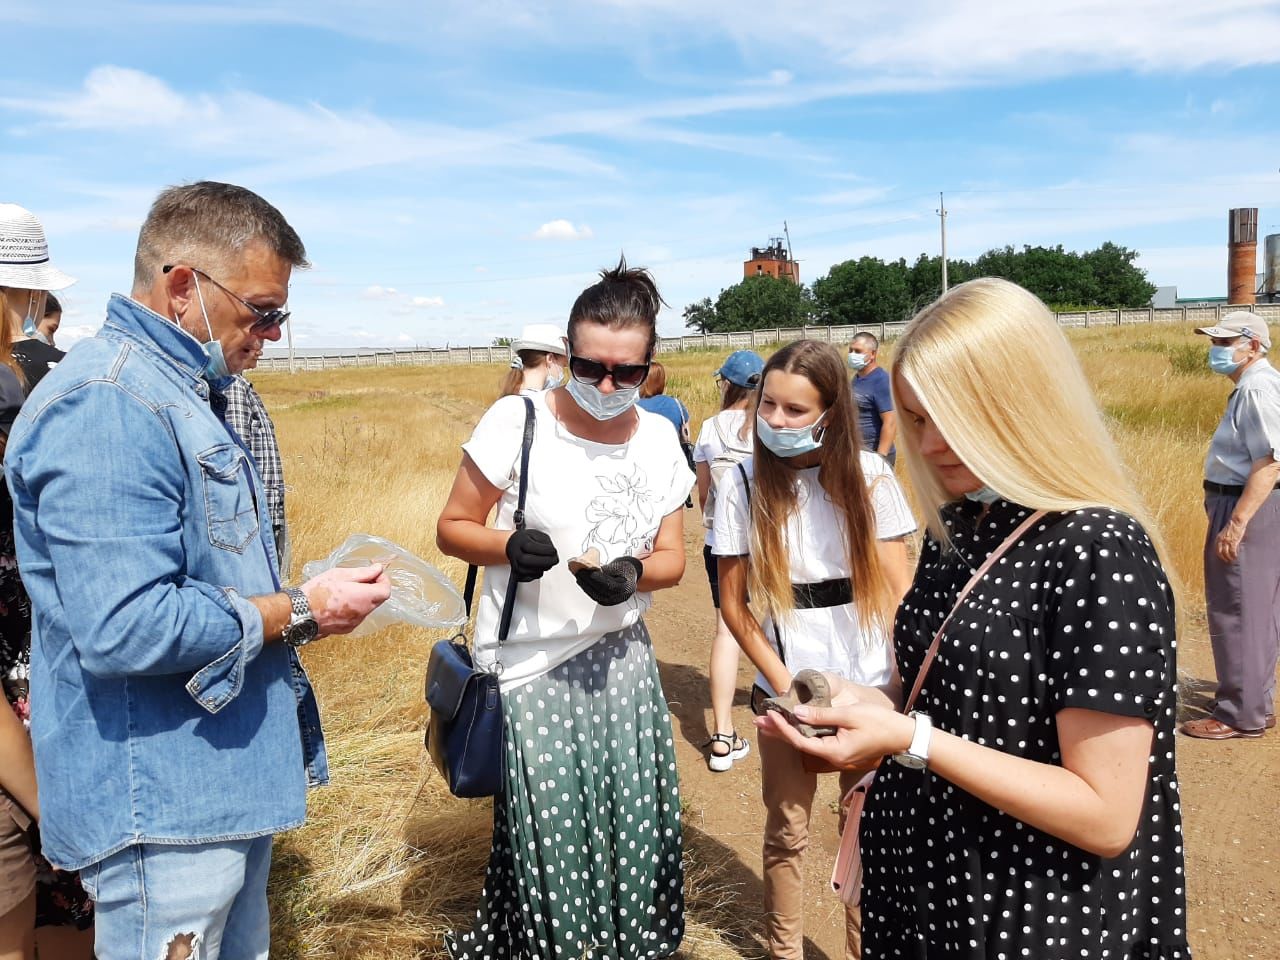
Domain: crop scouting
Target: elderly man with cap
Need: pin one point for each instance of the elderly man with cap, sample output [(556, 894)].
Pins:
[(1242, 547), (175, 730)]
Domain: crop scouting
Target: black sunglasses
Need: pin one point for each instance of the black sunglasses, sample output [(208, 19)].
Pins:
[(267, 319), (625, 375)]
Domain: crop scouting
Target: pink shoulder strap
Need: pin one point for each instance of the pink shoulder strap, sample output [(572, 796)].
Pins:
[(996, 554)]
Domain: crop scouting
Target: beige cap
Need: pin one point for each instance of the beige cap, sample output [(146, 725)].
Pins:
[(1239, 323)]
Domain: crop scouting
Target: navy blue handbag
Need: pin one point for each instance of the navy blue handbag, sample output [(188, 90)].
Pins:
[(464, 734)]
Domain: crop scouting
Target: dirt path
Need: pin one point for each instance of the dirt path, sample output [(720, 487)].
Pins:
[(1230, 792)]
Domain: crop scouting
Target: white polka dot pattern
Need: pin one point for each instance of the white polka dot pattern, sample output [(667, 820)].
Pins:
[(586, 840), (1078, 614)]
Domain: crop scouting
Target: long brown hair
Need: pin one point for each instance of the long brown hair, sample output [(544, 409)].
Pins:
[(6, 340), (773, 491), (513, 379), (655, 383)]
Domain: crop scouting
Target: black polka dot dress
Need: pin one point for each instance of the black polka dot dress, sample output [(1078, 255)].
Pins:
[(1077, 614)]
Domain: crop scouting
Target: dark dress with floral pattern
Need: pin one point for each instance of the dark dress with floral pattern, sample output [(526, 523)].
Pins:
[(60, 900)]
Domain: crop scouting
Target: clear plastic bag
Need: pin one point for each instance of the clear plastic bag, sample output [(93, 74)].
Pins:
[(421, 595)]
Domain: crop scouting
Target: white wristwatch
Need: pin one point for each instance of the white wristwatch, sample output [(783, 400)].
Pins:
[(917, 755)]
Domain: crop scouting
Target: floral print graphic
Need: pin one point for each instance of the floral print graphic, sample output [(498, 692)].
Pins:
[(622, 517)]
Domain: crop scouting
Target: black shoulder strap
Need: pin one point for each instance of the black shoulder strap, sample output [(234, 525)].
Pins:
[(504, 625), (746, 484)]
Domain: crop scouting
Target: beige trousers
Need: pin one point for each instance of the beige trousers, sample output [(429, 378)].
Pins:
[(788, 789)]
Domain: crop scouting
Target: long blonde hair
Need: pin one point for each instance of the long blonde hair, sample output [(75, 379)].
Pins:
[(998, 378), (773, 492)]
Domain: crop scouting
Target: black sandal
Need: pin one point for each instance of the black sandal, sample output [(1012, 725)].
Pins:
[(735, 749)]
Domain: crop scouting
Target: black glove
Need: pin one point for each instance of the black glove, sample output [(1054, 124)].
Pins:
[(611, 584), (531, 553)]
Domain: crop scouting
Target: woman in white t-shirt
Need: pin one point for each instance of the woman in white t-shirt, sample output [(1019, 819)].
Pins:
[(537, 361), (723, 442), (816, 528), (586, 850)]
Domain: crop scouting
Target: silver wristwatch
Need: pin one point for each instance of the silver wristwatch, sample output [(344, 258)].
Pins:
[(302, 627), (917, 755)]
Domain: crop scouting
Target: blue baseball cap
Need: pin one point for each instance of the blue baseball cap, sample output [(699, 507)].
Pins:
[(742, 368)]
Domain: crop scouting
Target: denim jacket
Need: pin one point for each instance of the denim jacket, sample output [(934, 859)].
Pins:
[(158, 714)]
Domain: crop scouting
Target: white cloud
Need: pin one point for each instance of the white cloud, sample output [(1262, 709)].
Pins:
[(562, 230), (377, 292), (427, 301)]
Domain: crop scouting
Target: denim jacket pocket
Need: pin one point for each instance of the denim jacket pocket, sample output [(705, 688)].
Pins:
[(228, 497)]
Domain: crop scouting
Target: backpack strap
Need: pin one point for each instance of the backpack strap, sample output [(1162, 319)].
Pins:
[(746, 483)]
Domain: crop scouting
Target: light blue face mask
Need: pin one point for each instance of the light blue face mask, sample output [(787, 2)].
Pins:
[(602, 406), (788, 442), (858, 360), (1220, 360), (555, 376), (982, 495), (30, 326), (216, 367)]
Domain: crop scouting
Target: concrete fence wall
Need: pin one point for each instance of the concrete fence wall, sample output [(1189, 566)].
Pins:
[(749, 339)]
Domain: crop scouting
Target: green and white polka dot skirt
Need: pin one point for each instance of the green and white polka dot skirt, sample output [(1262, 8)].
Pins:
[(586, 858)]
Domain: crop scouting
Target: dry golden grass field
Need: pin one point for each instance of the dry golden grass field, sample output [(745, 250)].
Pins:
[(388, 860)]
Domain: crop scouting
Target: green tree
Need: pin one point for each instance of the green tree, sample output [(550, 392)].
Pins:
[(757, 303), (700, 316), (863, 291), (1120, 283)]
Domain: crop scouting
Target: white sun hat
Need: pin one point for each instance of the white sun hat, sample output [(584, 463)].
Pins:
[(540, 336), (24, 252)]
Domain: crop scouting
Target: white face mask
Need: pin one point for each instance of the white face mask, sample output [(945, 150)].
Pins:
[(602, 406)]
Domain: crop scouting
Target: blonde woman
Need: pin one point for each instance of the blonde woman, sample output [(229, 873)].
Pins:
[(537, 361), (1033, 808), (815, 526)]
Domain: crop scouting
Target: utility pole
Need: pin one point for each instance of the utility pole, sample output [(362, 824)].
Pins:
[(942, 216), (289, 329)]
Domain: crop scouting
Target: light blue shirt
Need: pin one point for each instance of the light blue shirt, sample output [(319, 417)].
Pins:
[(1249, 430), (158, 715)]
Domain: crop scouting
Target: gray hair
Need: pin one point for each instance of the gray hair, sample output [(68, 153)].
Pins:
[(867, 338), (204, 225)]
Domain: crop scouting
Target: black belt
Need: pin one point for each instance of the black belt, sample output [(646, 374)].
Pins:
[(1223, 489), (827, 593)]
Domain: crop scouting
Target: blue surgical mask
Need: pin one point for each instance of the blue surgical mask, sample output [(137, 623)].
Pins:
[(858, 360), (788, 442), (216, 366), (982, 495), (30, 326), (602, 406), (555, 374), (1220, 360)]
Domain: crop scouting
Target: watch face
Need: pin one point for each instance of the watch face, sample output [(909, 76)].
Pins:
[(304, 631), (910, 762)]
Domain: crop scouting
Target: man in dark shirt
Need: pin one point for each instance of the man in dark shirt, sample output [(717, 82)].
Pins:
[(876, 418)]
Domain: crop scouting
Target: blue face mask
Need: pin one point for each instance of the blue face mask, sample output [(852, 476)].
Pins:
[(602, 406), (858, 360), (216, 366), (1220, 360), (982, 495), (789, 442), (30, 327)]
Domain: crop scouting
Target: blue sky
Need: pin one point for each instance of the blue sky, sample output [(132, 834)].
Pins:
[(456, 173)]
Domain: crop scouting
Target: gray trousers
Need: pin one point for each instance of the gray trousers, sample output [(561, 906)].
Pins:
[(1243, 600)]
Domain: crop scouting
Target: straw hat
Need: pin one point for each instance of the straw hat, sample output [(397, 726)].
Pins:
[(540, 336), (24, 253)]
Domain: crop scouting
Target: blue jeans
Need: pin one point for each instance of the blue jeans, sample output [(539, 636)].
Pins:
[(210, 897)]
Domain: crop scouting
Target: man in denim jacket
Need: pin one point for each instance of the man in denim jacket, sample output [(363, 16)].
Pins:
[(175, 730)]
